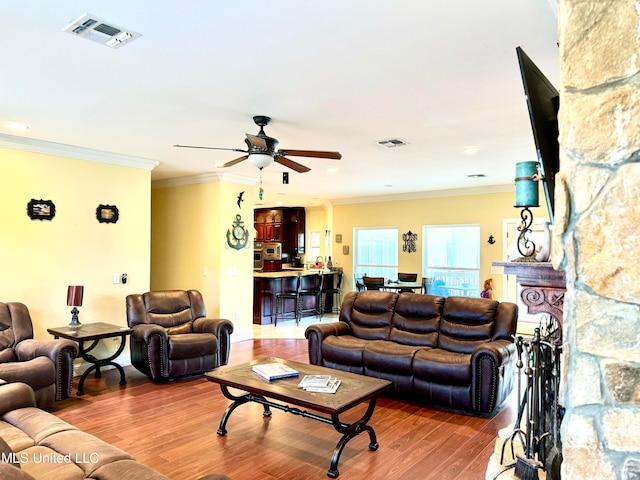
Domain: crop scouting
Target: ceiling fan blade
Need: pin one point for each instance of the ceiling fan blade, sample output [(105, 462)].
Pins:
[(237, 160), (212, 148), (287, 162), (311, 153), (256, 141)]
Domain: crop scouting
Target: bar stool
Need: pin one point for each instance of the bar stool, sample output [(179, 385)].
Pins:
[(334, 291), (315, 292), (293, 295)]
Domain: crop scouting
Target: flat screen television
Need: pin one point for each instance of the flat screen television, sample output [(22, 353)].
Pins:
[(543, 101)]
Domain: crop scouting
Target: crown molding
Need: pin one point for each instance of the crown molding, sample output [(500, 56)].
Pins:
[(71, 151), (453, 192), (202, 178)]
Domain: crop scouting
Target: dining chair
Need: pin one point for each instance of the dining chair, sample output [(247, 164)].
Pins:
[(373, 283), (358, 282), (407, 277), (426, 285)]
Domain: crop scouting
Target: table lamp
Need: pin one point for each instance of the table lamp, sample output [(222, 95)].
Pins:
[(527, 177), (74, 299)]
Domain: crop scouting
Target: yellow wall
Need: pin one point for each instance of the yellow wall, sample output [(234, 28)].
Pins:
[(190, 251), (487, 210), (40, 258)]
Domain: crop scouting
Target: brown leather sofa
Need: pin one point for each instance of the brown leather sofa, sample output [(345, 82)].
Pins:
[(35, 444), (454, 352), (172, 336), (45, 365)]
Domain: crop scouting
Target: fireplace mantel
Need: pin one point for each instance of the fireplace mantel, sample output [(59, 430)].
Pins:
[(543, 287)]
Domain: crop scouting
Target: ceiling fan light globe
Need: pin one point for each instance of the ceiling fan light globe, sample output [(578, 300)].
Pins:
[(260, 160)]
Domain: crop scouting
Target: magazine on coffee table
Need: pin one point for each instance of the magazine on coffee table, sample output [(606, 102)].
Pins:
[(314, 381), (331, 387), (273, 371)]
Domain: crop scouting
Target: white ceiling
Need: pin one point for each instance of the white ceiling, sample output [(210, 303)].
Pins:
[(333, 75)]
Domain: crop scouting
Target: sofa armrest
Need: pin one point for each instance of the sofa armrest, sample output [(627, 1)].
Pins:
[(222, 329), (30, 349), (61, 352), (144, 332), (15, 395), (501, 351), (317, 332), (492, 374)]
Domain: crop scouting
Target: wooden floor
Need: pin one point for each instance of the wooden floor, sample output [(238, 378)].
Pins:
[(171, 427)]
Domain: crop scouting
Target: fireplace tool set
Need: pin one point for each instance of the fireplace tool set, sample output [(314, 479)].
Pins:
[(538, 431)]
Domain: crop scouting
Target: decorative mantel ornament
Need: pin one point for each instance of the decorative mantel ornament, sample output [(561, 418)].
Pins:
[(237, 235), (409, 240), (527, 177)]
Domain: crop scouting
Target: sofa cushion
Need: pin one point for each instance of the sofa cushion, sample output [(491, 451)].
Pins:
[(15, 438), (35, 423), (92, 451), (43, 462), (344, 350), (442, 366), (126, 469), (416, 320), (370, 316), (384, 356), (181, 329), (38, 373), (9, 472), (466, 323), (190, 345)]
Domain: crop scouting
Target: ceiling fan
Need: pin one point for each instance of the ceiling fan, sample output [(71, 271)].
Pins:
[(261, 150)]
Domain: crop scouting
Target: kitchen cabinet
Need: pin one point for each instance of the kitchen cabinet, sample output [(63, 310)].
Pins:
[(269, 225), (297, 226), (286, 226)]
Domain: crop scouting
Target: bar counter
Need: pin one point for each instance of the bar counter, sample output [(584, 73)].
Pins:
[(267, 284)]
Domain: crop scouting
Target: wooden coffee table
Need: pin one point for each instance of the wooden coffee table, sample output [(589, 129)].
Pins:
[(354, 390)]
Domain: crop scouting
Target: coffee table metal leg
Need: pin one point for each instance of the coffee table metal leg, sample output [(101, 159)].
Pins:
[(350, 431), (237, 401)]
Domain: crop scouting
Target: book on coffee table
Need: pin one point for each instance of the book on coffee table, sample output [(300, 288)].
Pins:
[(273, 371)]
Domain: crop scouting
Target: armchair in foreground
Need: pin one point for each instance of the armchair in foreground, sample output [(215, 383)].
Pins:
[(45, 365), (172, 336)]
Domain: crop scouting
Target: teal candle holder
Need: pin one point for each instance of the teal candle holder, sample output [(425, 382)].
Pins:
[(526, 196), (527, 184)]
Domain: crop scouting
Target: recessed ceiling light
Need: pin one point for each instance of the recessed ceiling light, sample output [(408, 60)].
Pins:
[(17, 127), (470, 150), (332, 170)]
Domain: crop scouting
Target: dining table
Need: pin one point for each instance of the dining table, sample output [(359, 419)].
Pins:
[(395, 285)]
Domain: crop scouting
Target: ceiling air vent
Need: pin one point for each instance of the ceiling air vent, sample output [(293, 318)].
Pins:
[(97, 30), (391, 143)]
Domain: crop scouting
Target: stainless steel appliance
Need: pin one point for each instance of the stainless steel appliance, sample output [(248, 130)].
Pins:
[(258, 261), (272, 251)]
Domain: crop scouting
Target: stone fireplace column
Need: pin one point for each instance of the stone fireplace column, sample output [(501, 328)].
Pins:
[(597, 237)]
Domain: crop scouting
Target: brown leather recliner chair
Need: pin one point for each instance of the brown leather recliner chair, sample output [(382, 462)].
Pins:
[(45, 365), (172, 336)]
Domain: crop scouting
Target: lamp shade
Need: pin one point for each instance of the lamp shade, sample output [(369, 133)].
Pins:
[(527, 184), (260, 160), (74, 295)]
